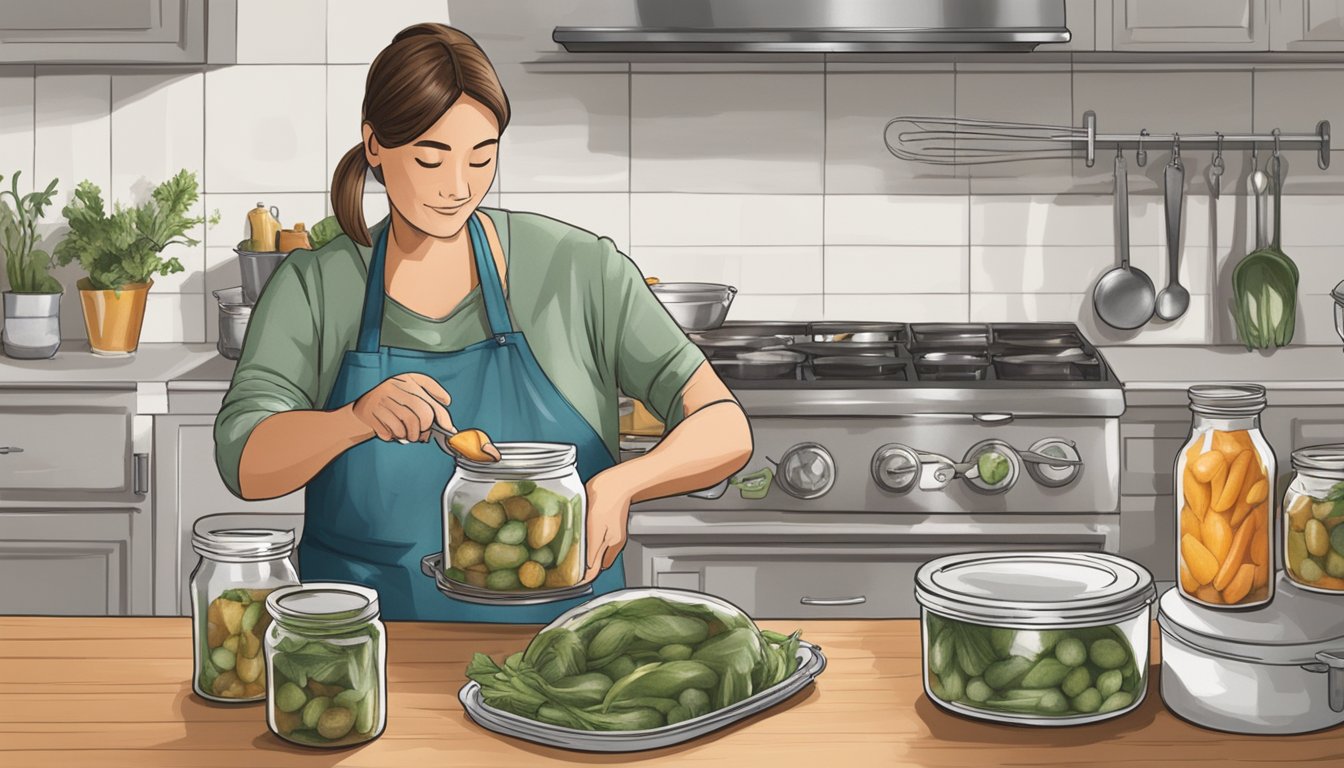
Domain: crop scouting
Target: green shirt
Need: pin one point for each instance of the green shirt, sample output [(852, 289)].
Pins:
[(594, 326)]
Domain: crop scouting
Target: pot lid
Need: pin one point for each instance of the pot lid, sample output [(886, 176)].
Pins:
[(1290, 629), (1034, 588)]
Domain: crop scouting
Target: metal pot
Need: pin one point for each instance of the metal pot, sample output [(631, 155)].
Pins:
[(1272, 670), (32, 325), (234, 312), (696, 306), (257, 267)]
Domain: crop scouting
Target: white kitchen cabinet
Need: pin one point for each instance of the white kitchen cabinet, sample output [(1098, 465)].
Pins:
[(1306, 25), (103, 31), (75, 562), (1150, 438), (1188, 25)]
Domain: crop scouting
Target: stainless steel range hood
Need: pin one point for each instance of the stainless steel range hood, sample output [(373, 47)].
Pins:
[(818, 26)]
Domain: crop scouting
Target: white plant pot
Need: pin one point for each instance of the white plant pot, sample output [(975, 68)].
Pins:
[(32, 325)]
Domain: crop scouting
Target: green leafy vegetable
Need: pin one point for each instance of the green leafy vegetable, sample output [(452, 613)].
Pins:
[(25, 265), (993, 466), (324, 232)]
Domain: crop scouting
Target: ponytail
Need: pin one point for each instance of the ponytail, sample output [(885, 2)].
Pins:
[(347, 195)]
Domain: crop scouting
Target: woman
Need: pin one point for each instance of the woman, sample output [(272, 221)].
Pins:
[(517, 324)]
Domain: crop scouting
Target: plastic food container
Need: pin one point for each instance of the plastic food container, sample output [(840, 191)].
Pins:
[(1224, 481), (1035, 638), (516, 525), (1313, 510), (326, 655), (239, 567)]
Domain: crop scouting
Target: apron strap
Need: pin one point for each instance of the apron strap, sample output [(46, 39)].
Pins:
[(371, 318), (492, 290)]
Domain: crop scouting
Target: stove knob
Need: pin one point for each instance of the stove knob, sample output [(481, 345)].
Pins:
[(806, 471), (895, 468), (1055, 476)]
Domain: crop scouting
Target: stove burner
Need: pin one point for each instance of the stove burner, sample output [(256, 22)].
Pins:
[(951, 366), (766, 364), (847, 348), (859, 367), (939, 336), (832, 332)]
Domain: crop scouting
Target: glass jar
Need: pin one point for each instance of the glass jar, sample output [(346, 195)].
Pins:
[(326, 653), (1224, 482), (1313, 509), (517, 524), (1035, 638), (240, 565)]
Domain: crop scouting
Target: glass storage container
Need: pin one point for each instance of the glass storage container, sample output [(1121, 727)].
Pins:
[(1313, 509), (1035, 638), (238, 568), (516, 525), (326, 653), (1224, 482)]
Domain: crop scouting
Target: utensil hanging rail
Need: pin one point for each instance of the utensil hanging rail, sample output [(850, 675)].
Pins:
[(966, 141)]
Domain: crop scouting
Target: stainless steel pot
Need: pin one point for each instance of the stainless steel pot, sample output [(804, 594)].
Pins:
[(32, 325), (234, 313), (696, 306), (257, 267)]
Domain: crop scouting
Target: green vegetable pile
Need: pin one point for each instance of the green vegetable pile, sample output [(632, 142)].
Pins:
[(326, 693), (1050, 673), (635, 665), (25, 264)]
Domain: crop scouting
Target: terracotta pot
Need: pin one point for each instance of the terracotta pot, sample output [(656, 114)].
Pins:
[(113, 318)]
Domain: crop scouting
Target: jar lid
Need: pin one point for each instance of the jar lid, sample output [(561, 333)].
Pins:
[(524, 459), (1320, 461), (323, 606), (1227, 400), (1033, 589), (1290, 629), (235, 538)]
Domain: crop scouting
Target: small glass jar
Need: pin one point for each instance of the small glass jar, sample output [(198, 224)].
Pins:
[(1313, 510), (240, 565), (326, 654), (1224, 488), (518, 524)]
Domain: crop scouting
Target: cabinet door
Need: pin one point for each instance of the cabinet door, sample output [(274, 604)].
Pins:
[(110, 31), (1306, 25), (66, 447), (87, 562), (1188, 25), (1149, 441)]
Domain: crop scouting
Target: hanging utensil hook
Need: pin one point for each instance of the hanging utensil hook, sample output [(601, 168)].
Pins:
[(1141, 157), (1216, 168), (1276, 133), (1175, 149)]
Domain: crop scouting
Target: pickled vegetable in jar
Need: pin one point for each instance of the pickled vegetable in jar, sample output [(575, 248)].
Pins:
[(1313, 519), (517, 524), (238, 569), (1224, 491), (327, 652)]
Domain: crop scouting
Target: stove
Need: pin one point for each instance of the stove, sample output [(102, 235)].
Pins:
[(889, 444)]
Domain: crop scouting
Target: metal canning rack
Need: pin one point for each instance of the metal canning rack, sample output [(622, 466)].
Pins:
[(967, 141)]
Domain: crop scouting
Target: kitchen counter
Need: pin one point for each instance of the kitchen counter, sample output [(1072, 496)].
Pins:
[(1176, 368), (75, 365), (115, 692)]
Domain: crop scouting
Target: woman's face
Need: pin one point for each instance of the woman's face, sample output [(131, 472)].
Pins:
[(437, 181)]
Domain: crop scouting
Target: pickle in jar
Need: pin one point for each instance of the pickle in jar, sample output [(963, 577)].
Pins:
[(326, 694), (1223, 489), (232, 666), (521, 531), (1314, 539)]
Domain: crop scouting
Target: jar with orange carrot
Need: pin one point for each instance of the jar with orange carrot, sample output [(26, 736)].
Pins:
[(1313, 519), (1224, 483)]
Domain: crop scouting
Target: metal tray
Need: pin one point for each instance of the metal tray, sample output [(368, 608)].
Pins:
[(432, 566), (811, 662)]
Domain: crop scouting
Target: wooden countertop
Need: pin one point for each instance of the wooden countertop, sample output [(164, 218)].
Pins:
[(115, 692)]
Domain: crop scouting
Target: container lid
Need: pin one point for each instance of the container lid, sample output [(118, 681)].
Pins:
[(1227, 400), (236, 538), (1290, 629), (1034, 588), (323, 606), (1320, 461), (524, 459)]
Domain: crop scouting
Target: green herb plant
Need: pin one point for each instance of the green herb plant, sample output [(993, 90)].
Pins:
[(25, 265), (125, 247)]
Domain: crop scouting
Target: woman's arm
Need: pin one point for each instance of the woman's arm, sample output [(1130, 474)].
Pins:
[(711, 443)]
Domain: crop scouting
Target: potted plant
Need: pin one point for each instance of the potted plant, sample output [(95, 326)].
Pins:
[(121, 252), (33, 301)]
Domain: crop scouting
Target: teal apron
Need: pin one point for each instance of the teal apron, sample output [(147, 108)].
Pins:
[(374, 511)]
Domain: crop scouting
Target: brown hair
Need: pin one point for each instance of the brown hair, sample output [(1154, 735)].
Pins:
[(411, 83)]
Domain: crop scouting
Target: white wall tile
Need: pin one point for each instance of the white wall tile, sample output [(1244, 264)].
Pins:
[(761, 133), (173, 317), (1061, 220), (1074, 269), (1192, 327), (279, 149), (1294, 100), (221, 271), (1316, 321), (606, 214), (1032, 94), (290, 32), (73, 139), (376, 207), (309, 208), (357, 31), (755, 270), (896, 219), (345, 104), (858, 107), (1311, 220), (893, 307), (16, 126), (568, 132), (725, 219), (768, 307), (896, 269)]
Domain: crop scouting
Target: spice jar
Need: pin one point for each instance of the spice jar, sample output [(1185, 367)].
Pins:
[(325, 656), (1313, 509), (1224, 475), (516, 525), (239, 567)]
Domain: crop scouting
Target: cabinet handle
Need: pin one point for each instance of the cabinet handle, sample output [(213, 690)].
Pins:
[(859, 600), (140, 483), (4, 449)]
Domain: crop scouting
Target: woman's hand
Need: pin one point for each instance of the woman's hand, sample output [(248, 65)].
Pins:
[(404, 407), (608, 513)]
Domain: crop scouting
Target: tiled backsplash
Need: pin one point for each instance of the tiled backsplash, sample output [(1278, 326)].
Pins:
[(768, 175)]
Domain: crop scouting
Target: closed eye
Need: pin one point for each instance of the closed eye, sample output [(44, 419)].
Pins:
[(481, 164), (423, 164)]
